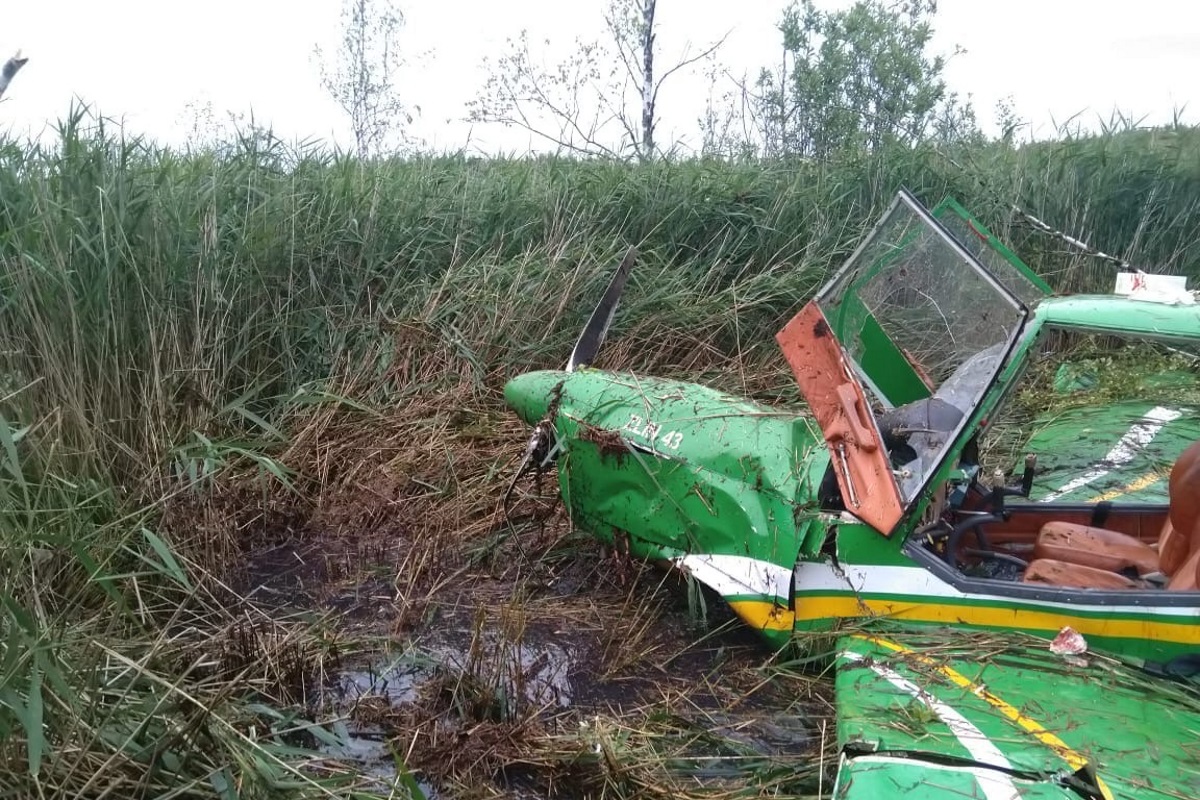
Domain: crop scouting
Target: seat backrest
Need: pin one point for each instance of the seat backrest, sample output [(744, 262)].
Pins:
[(1184, 488), (1179, 547)]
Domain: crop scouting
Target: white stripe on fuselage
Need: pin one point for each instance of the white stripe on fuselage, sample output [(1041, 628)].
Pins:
[(732, 576), (1124, 451), (995, 784), (920, 584)]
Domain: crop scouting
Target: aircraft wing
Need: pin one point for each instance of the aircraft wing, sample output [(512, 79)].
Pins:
[(938, 713), (1121, 452)]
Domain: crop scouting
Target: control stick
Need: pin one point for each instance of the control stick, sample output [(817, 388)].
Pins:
[(1027, 475)]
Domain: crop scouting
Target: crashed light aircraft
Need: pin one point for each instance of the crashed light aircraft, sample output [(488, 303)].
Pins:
[(1045, 623)]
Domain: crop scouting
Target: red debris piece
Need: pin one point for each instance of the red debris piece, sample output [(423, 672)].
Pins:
[(1068, 643)]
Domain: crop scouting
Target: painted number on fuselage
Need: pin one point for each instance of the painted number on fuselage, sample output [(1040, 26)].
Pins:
[(651, 430)]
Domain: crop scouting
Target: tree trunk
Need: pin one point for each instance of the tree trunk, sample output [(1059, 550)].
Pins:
[(647, 148)]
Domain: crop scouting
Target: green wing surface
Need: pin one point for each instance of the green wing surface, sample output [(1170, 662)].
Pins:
[(1121, 452), (999, 716)]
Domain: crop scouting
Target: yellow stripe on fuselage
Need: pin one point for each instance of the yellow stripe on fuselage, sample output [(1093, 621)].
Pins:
[(818, 607), (765, 615), (1073, 758)]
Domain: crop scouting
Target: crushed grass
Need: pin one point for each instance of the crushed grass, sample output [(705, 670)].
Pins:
[(483, 608)]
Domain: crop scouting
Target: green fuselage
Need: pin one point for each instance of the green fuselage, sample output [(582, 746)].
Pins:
[(672, 468), (729, 490)]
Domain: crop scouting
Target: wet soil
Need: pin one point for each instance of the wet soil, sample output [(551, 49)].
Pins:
[(488, 677), (494, 651)]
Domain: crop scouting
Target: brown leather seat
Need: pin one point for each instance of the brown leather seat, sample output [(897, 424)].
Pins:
[(1064, 573), (1095, 547), (1179, 546), (1096, 553)]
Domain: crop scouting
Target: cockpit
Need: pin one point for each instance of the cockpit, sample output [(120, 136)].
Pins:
[(924, 317)]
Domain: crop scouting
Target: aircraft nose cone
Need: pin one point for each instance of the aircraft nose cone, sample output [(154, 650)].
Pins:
[(529, 395)]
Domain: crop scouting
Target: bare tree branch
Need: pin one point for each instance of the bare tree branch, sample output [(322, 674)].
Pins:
[(361, 79), (687, 62), (607, 72), (523, 87), (626, 51)]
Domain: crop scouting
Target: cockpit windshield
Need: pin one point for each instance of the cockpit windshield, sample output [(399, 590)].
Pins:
[(1002, 263), (926, 327)]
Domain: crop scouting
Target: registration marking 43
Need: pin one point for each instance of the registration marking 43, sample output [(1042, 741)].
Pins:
[(650, 430)]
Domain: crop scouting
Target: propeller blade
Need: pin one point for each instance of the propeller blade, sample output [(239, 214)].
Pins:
[(537, 451), (596, 329)]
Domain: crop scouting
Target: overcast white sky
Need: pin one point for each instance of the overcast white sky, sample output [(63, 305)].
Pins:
[(145, 60)]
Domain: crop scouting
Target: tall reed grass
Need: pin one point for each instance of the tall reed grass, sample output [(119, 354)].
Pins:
[(166, 316)]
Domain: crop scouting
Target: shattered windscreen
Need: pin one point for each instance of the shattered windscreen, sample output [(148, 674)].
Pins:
[(1004, 265), (926, 328)]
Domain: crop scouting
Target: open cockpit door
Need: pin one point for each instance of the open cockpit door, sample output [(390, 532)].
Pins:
[(894, 354), (840, 406)]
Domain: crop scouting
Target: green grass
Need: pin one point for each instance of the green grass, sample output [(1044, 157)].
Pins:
[(174, 322)]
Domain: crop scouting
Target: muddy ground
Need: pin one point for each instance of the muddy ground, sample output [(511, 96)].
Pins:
[(501, 655)]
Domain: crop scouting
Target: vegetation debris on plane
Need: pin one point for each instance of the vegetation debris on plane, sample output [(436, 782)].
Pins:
[(949, 510)]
